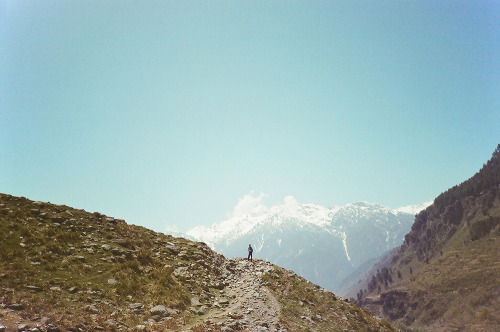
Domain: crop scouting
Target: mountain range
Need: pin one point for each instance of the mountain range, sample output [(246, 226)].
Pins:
[(324, 245)]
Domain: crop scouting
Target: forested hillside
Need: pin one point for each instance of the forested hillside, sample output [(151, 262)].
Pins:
[(446, 274)]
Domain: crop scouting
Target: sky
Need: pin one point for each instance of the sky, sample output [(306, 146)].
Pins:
[(172, 114)]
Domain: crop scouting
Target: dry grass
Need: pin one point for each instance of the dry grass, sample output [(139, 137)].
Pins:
[(307, 307), (58, 247)]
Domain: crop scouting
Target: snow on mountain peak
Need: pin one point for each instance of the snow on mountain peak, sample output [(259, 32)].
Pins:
[(323, 243), (331, 219), (413, 209), (238, 225)]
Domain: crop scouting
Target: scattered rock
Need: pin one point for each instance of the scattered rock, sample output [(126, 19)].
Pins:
[(34, 288), (22, 327), (52, 328), (122, 242), (159, 310), (136, 307), (73, 290), (195, 301), (16, 306), (235, 316), (92, 309), (181, 271), (202, 310), (173, 249)]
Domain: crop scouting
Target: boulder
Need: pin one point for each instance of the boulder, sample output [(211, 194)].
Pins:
[(195, 301), (23, 327), (159, 310), (202, 310), (136, 306)]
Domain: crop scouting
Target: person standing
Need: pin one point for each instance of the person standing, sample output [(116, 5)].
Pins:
[(250, 251)]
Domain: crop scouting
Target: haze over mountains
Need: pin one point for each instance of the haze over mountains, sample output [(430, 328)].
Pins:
[(325, 245)]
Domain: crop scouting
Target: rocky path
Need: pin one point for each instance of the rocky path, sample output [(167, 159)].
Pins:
[(251, 305)]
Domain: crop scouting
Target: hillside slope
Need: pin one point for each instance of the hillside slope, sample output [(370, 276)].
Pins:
[(446, 275), (63, 269)]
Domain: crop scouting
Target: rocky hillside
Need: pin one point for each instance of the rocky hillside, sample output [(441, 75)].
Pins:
[(445, 276), (63, 269)]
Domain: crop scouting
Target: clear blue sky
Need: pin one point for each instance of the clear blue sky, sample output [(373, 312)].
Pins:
[(168, 112)]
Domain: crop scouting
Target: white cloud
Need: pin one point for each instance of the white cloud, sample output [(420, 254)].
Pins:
[(290, 200), (172, 230), (249, 205)]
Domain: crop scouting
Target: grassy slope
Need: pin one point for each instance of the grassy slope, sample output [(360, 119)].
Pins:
[(458, 288), (84, 269), (55, 248), (307, 307)]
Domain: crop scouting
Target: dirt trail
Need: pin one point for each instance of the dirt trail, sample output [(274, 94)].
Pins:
[(245, 303), (251, 305)]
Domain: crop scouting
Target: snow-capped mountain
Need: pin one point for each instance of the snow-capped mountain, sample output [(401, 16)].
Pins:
[(325, 245)]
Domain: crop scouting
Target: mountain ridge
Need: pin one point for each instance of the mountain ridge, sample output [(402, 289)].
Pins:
[(322, 244), (324, 216)]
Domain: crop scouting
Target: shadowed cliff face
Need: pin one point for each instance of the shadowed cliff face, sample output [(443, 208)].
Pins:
[(68, 269), (445, 275)]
